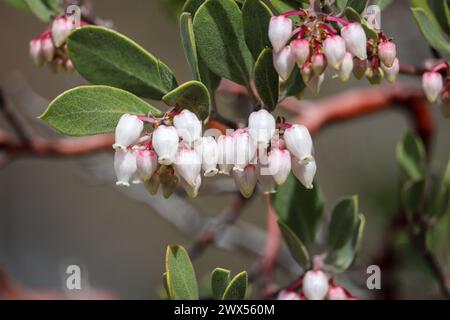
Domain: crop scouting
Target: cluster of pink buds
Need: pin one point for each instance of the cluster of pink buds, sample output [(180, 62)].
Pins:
[(315, 285), (51, 46), (319, 42), (435, 87), (173, 152)]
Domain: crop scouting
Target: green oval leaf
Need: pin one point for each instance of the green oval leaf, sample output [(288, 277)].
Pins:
[(295, 245), (430, 30), (181, 275), (266, 79), (192, 95), (219, 282), (412, 196), (106, 57), (90, 110), (342, 224), (256, 18), (237, 287), (43, 9), (220, 40), (411, 156)]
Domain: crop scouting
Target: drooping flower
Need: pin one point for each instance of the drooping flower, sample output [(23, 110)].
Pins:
[(279, 164), (318, 63), (244, 149), (355, 40), (392, 71), (147, 163), (315, 285), (61, 28), (280, 29), (246, 180), (128, 131), (165, 142), (48, 48), (209, 151), (261, 126), (432, 84), (345, 71), (124, 166), (188, 126), (304, 172), (334, 49), (299, 142), (188, 165), (284, 62), (225, 145), (36, 52), (387, 52), (300, 51)]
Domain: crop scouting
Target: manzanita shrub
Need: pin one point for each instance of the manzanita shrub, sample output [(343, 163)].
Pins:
[(275, 49)]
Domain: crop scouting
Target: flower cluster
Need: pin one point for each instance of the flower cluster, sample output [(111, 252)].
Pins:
[(315, 285), (330, 41), (435, 87), (51, 46), (173, 152)]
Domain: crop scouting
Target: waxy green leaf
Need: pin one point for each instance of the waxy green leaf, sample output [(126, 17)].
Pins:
[(237, 287), (411, 156), (266, 79), (256, 18), (220, 278), (295, 245), (342, 224)]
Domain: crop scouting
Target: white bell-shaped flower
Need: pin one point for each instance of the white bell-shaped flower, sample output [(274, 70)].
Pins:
[(334, 49), (188, 165), (280, 29), (387, 52), (244, 149), (261, 126), (304, 172), (128, 131), (165, 142), (188, 126), (124, 166), (319, 63), (61, 28), (299, 143), (391, 72), (432, 84), (208, 148), (355, 40), (36, 53), (284, 62), (246, 180), (300, 51), (279, 164), (48, 48), (147, 163), (345, 71), (225, 145), (315, 285)]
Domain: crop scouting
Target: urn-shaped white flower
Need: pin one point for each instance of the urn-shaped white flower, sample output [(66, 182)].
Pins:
[(188, 126), (124, 166), (128, 131), (36, 53), (387, 52), (147, 163), (432, 84), (165, 142), (355, 40), (188, 165), (315, 285), (208, 148), (345, 71), (391, 72), (61, 28), (261, 126), (225, 146), (304, 172), (280, 29), (279, 164), (244, 149), (246, 180), (334, 49), (284, 62), (300, 51), (299, 142), (48, 49)]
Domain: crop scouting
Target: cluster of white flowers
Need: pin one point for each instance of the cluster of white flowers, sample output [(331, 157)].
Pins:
[(316, 286), (174, 152), (51, 45), (435, 87), (317, 45)]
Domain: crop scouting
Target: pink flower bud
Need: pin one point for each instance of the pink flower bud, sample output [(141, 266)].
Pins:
[(334, 49), (246, 180), (188, 165), (147, 162), (280, 29), (345, 71), (124, 166), (299, 142), (304, 172), (208, 149), (288, 295), (36, 52), (336, 293), (165, 143), (279, 164), (315, 83), (300, 51), (391, 72), (128, 131), (432, 84), (284, 62), (225, 145), (48, 48), (261, 126), (61, 28), (359, 68), (319, 63), (244, 149), (387, 52), (188, 126), (355, 40), (315, 285)]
